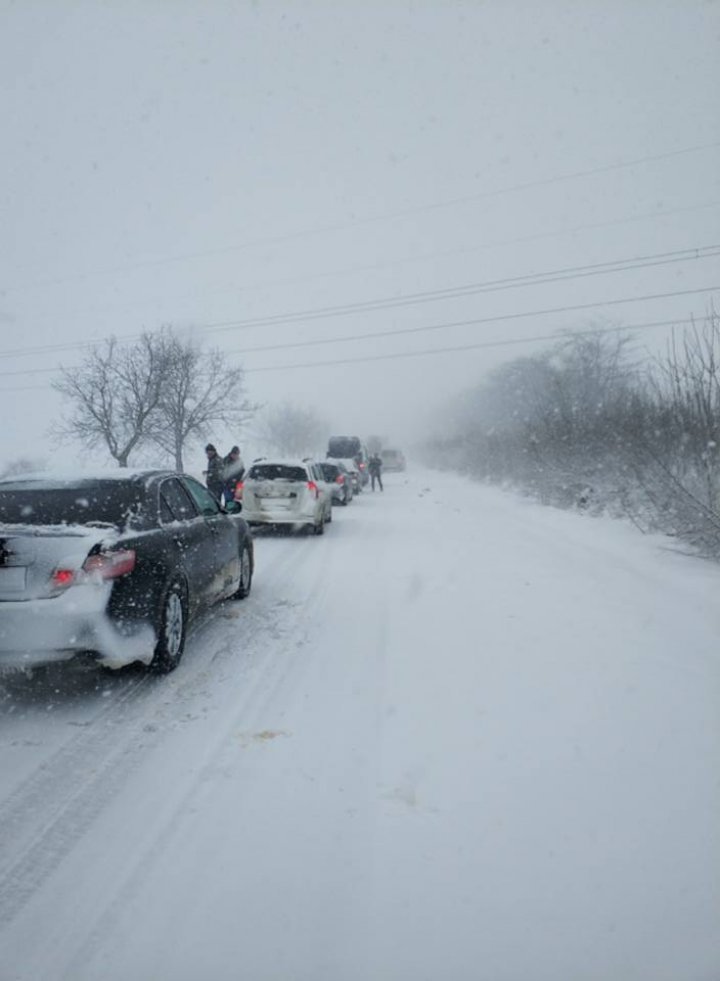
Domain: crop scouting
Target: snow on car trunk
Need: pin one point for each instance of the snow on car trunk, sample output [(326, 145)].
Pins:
[(33, 557)]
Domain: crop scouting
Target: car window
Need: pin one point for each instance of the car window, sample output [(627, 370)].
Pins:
[(112, 502), (175, 502), (166, 515), (277, 471), (204, 501)]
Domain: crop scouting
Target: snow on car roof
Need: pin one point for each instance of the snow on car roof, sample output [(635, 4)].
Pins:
[(56, 478), (280, 461), (97, 530)]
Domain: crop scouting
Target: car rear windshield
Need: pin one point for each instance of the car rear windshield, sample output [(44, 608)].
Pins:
[(277, 471), (99, 502), (329, 470)]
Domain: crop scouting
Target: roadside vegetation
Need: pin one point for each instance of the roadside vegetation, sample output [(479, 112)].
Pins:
[(583, 425)]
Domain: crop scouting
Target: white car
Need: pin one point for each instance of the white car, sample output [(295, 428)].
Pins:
[(393, 461), (286, 492)]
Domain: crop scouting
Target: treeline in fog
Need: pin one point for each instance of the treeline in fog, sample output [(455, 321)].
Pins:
[(585, 425)]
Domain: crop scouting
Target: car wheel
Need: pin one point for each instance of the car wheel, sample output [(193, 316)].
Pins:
[(246, 574), (328, 515), (320, 526), (171, 630)]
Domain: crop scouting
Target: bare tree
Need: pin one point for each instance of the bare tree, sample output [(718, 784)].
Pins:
[(113, 395), (200, 391), (292, 430), (680, 454)]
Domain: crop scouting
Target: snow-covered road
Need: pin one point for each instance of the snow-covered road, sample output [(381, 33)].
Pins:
[(459, 737)]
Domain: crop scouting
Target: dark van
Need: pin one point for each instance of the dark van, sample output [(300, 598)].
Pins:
[(344, 447), (350, 448)]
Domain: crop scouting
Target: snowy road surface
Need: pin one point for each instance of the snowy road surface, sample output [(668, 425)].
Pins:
[(459, 737)]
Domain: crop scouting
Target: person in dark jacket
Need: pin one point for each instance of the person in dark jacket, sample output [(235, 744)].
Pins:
[(233, 470), (375, 468), (214, 479)]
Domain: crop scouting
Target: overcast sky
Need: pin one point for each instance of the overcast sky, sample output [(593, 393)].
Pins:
[(205, 162)]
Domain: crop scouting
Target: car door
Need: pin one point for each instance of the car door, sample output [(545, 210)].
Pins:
[(323, 488), (192, 541), (224, 539)]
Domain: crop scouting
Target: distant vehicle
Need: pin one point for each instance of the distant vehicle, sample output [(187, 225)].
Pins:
[(339, 479), (353, 472), (113, 566), (350, 447), (344, 446), (392, 460), (287, 492)]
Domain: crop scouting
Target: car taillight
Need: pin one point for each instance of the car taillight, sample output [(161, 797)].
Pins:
[(313, 488), (362, 466), (238, 493), (339, 479), (110, 565), (62, 578)]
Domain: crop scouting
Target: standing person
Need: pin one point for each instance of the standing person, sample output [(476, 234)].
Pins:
[(233, 470), (214, 473), (375, 468)]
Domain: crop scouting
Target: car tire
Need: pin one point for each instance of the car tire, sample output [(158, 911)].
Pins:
[(171, 629), (246, 574), (320, 527)]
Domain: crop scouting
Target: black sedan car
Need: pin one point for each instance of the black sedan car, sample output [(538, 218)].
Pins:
[(113, 565)]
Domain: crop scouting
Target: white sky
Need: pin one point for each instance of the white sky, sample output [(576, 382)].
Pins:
[(202, 162)]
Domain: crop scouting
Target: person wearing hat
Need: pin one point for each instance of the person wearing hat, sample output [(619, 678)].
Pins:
[(233, 470), (214, 473)]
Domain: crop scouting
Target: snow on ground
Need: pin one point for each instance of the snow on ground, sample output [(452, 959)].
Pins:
[(460, 736)]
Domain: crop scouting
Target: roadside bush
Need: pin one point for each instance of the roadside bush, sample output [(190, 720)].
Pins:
[(582, 426)]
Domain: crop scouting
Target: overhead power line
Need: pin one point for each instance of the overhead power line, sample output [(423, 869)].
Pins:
[(471, 289), (507, 342), (408, 330), (359, 222), (557, 335), (396, 332), (456, 292), (404, 260), (474, 321)]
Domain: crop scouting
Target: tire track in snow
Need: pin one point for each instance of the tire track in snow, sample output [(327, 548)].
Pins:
[(281, 670), (55, 806), (43, 793)]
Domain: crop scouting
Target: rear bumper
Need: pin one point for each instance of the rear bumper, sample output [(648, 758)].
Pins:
[(279, 516), (42, 631), (299, 521)]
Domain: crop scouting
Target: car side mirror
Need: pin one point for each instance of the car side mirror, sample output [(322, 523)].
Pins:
[(233, 507)]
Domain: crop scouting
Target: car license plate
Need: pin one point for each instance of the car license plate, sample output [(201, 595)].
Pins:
[(12, 579)]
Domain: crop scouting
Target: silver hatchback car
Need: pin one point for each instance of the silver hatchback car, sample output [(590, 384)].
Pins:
[(286, 492)]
